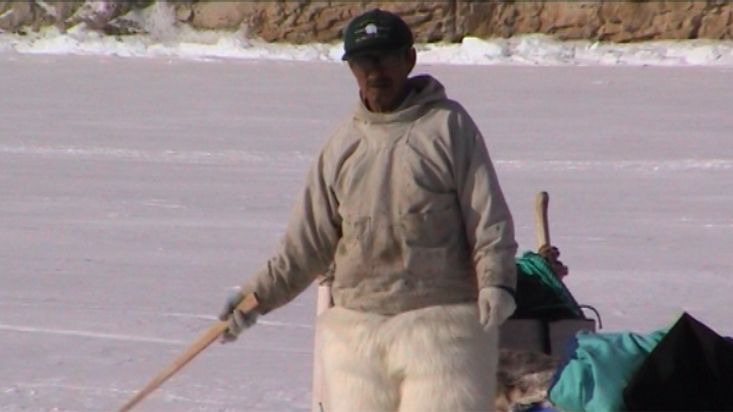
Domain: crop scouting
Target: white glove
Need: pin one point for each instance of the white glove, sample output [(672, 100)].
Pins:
[(238, 321), (495, 305)]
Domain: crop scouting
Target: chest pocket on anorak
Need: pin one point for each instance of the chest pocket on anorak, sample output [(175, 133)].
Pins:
[(353, 249), (430, 222)]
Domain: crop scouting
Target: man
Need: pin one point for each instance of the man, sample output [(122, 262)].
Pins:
[(404, 206)]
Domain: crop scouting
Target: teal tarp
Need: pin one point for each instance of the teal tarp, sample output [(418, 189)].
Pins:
[(540, 294), (601, 366)]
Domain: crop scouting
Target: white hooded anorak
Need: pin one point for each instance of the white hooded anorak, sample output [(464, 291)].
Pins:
[(403, 208)]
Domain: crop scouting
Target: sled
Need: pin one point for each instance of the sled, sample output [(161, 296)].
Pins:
[(536, 335), (544, 335)]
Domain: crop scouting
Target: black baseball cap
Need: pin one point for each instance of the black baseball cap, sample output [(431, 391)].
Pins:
[(374, 31)]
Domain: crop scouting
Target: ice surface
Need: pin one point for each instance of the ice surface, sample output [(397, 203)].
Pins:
[(135, 192)]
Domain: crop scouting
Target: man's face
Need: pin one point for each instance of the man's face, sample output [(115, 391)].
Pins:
[(382, 76)]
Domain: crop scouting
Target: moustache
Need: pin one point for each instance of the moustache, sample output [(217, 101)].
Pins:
[(379, 82)]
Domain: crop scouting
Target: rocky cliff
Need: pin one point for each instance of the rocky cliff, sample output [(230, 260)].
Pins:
[(322, 21)]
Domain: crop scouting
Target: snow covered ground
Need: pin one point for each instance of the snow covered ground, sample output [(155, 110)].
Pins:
[(134, 192)]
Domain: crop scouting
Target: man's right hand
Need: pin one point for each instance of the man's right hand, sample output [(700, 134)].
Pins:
[(237, 320)]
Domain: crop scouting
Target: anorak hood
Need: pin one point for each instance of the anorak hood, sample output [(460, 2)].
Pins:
[(424, 90)]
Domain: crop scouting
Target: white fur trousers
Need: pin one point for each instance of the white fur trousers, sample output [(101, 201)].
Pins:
[(432, 359)]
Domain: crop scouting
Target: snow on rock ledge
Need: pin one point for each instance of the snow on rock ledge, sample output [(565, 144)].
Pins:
[(314, 21)]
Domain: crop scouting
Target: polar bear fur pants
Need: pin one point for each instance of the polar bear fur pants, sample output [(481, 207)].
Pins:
[(432, 359)]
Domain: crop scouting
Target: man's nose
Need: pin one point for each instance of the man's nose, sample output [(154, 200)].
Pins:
[(376, 69)]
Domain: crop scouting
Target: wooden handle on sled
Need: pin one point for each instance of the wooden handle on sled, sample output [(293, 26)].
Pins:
[(248, 304), (542, 227)]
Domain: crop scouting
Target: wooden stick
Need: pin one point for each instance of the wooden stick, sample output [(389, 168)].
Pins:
[(542, 227), (202, 342)]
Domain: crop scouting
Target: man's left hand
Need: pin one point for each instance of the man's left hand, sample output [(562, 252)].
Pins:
[(495, 305)]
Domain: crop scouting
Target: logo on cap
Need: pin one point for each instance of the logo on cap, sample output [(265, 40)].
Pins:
[(371, 29)]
